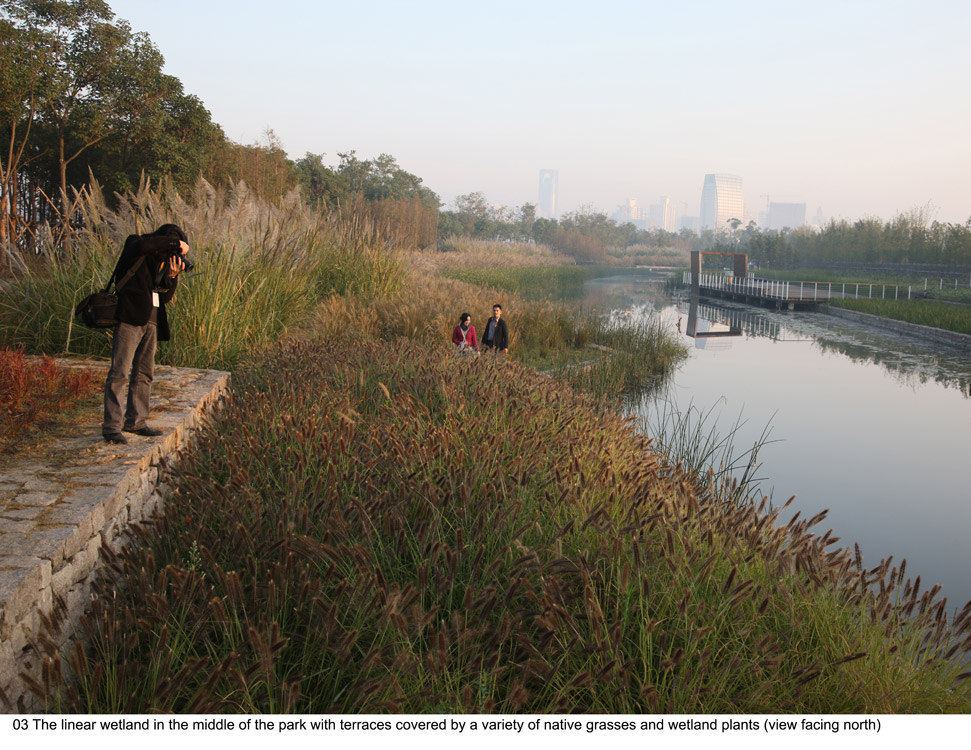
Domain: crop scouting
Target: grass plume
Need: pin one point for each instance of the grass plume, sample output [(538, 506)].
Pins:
[(392, 528)]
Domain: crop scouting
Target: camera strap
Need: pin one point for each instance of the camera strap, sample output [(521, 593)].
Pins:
[(125, 279)]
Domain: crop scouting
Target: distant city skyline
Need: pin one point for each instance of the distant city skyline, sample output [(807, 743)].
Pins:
[(854, 107)]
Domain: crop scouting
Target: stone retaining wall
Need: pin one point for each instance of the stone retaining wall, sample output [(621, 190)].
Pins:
[(925, 333), (59, 510)]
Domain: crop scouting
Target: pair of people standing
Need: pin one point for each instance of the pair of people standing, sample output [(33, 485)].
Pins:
[(495, 336)]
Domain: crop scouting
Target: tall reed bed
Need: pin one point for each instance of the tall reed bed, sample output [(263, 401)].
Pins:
[(627, 359), (464, 253), (651, 255), (553, 336), (260, 267), (535, 282), (392, 527), (950, 317)]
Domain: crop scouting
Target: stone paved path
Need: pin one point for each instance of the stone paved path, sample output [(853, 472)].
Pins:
[(61, 504)]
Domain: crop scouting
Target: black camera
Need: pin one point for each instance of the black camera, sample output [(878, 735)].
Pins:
[(187, 264)]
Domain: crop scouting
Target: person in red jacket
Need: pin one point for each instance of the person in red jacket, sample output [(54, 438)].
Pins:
[(158, 260), (463, 336)]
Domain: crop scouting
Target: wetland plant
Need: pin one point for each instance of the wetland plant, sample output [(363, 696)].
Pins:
[(261, 268), (392, 528)]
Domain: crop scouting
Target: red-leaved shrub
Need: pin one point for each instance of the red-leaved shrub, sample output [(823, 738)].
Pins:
[(36, 391)]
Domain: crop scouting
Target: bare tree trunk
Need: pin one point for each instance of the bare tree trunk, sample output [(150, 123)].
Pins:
[(6, 192)]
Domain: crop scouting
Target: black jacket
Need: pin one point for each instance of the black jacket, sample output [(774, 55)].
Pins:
[(135, 297), (500, 339)]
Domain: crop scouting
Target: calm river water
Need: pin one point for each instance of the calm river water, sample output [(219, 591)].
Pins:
[(872, 426)]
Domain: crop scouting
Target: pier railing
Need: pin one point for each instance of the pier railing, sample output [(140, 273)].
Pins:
[(797, 291), (750, 285)]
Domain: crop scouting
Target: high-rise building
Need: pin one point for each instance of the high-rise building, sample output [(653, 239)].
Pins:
[(548, 183), (630, 213), (786, 215), (721, 201), (664, 215)]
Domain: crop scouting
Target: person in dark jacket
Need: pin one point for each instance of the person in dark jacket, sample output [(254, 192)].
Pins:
[(157, 260), (496, 335)]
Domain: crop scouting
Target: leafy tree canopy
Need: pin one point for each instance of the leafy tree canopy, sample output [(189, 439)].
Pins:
[(382, 178)]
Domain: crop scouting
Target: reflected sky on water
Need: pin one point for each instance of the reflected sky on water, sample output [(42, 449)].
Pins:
[(873, 426)]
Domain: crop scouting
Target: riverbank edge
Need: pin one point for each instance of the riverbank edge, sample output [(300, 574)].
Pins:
[(939, 335), (60, 514)]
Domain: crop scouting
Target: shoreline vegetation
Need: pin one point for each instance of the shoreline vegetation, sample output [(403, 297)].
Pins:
[(375, 523), (946, 316)]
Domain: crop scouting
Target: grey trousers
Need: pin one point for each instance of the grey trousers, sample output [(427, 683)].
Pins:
[(132, 360)]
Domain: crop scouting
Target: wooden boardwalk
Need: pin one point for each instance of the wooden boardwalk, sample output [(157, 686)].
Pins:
[(787, 295)]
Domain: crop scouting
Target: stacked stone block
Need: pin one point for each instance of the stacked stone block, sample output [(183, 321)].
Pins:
[(59, 511)]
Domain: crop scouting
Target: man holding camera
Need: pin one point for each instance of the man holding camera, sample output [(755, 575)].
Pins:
[(157, 260)]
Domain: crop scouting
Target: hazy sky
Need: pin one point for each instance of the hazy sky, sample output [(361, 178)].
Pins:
[(861, 108)]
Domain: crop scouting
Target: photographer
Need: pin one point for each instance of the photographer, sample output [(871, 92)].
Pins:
[(158, 261)]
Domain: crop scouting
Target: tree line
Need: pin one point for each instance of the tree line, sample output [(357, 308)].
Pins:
[(910, 238), (84, 96)]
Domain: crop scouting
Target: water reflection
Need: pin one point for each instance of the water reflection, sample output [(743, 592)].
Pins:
[(904, 359), (911, 370), (711, 320), (873, 426)]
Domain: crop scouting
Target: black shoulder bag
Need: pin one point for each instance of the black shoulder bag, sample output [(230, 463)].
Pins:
[(100, 310)]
